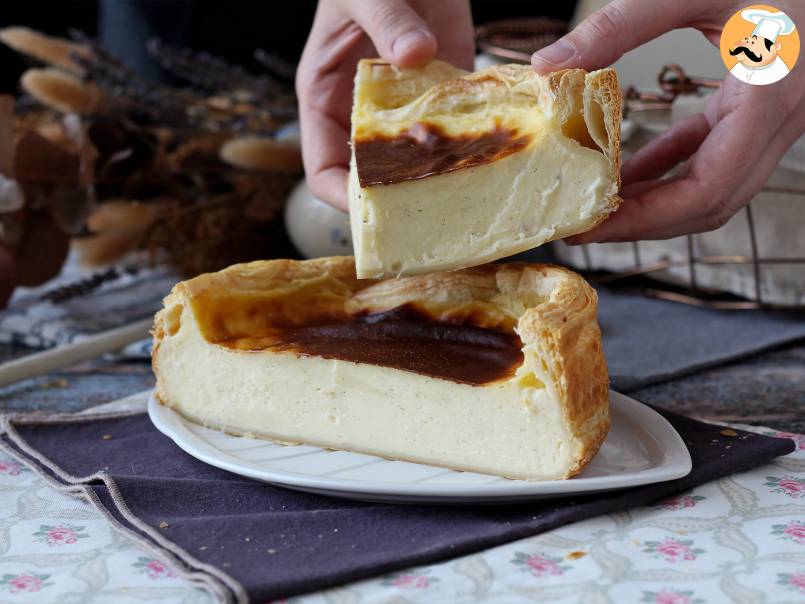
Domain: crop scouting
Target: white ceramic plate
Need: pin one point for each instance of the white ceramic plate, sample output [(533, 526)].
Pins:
[(641, 448)]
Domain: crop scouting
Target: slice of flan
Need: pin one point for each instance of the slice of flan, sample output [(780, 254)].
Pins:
[(453, 169), (495, 369)]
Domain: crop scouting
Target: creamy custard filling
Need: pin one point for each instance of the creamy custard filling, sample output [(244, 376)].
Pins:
[(495, 209), (511, 427)]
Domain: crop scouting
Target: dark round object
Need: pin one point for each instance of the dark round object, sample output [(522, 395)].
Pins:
[(518, 39)]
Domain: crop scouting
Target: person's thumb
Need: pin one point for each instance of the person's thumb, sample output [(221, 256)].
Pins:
[(603, 37), (399, 34)]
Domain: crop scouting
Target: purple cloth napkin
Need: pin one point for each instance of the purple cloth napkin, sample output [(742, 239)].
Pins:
[(267, 542)]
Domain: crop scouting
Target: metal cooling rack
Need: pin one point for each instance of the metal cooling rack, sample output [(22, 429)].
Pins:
[(516, 40), (673, 81)]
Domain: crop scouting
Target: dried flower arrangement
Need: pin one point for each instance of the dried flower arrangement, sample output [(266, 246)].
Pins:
[(94, 156)]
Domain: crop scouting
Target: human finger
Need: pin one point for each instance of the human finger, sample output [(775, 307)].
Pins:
[(400, 35), (608, 33)]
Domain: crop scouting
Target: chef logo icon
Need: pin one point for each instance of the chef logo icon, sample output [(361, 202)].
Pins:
[(760, 45)]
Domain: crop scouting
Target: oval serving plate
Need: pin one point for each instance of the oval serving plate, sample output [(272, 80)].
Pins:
[(641, 448)]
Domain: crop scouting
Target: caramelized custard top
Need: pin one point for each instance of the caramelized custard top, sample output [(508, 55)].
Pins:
[(405, 338), (426, 149)]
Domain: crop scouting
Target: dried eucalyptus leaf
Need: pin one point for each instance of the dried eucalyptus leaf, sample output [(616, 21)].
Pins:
[(42, 250), (38, 159), (61, 91), (262, 153), (122, 216), (49, 49)]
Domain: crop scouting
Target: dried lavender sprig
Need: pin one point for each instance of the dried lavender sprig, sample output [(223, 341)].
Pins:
[(168, 106), (212, 73), (134, 93)]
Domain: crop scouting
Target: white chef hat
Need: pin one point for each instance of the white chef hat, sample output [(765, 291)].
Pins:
[(768, 25)]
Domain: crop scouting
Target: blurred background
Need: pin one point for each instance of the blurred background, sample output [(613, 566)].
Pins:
[(144, 141), (234, 29), (231, 29)]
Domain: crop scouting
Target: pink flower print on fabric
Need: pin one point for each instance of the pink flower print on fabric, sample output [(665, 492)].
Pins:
[(786, 485), (62, 534), (672, 550), (540, 565), (24, 582), (154, 569), (10, 467), (793, 531), (793, 581)]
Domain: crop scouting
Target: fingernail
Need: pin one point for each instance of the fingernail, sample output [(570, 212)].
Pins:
[(408, 41), (556, 53)]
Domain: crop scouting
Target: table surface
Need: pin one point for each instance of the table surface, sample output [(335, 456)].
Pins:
[(767, 389)]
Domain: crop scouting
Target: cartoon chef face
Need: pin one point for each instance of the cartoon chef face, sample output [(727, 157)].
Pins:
[(755, 51)]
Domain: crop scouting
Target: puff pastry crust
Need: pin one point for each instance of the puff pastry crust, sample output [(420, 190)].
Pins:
[(452, 169), (544, 422)]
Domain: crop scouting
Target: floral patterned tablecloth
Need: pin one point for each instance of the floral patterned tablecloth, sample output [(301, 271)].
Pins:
[(740, 539)]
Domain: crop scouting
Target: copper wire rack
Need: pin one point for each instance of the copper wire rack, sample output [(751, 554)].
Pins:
[(693, 293), (516, 40), (673, 81)]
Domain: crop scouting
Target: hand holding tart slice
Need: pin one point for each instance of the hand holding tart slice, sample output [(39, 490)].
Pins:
[(453, 169)]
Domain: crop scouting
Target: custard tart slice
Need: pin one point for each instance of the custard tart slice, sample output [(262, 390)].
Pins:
[(495, 369), (453, 169)]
